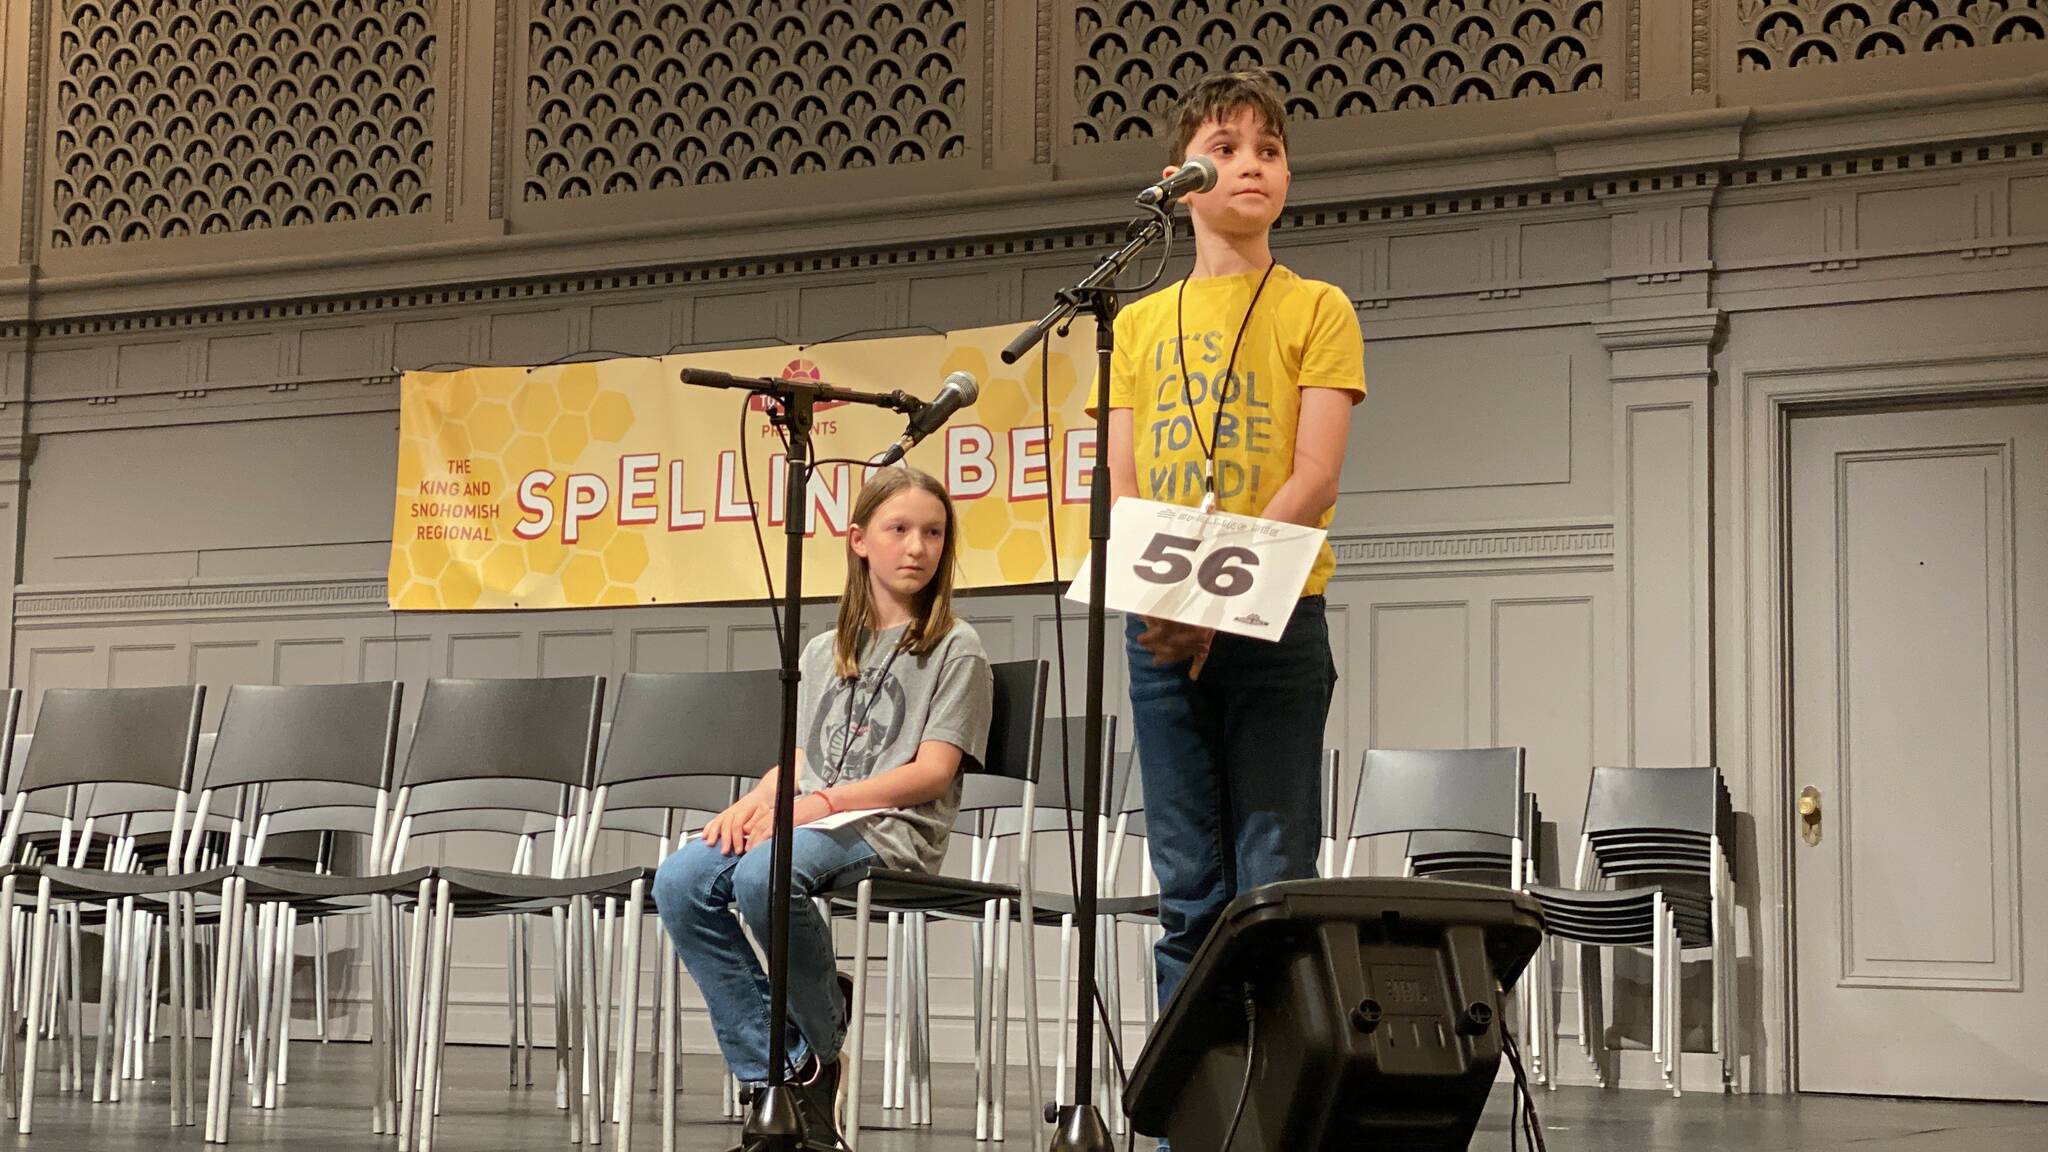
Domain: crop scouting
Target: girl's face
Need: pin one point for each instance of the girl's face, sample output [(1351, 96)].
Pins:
[(902, 543)]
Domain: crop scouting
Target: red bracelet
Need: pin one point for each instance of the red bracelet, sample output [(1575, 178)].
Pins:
[(825, 794)]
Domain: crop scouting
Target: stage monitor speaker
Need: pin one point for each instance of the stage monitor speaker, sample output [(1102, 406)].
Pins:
[(1377, 1008)]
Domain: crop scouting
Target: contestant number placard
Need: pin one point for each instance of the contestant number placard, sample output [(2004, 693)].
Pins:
[(1233, 573)]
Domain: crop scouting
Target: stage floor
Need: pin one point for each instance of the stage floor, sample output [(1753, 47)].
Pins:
[(322, 1109)]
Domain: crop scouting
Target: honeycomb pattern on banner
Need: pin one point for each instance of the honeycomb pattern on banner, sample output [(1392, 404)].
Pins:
[(506, 429), (1010, 534)]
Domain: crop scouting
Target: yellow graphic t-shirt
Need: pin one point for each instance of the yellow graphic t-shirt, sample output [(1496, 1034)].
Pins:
[(1303, 334)]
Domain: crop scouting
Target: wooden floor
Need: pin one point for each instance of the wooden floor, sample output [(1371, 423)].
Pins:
[(323, 1109)]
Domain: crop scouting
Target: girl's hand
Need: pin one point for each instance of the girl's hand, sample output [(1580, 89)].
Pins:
[(727, 830), (760, 827)]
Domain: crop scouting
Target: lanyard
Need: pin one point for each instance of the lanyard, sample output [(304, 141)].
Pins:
[(846, 740), (1225, 383)]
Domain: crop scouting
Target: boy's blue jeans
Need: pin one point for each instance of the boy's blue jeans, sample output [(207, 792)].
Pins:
[(1232, 769), (696, 889)]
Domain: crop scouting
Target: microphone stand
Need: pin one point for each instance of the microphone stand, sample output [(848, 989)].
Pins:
[(774, 1124), (1079, 1126)]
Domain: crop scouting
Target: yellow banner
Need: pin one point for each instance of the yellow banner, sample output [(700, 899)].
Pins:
[(612, 483)]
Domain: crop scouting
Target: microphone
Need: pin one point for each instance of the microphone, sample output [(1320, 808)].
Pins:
[(958, 392), (1198, 174)]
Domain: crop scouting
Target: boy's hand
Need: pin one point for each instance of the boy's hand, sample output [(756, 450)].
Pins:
[(1171, 643)]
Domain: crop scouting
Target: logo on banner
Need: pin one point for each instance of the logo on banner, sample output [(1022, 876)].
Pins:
[(798, 369)]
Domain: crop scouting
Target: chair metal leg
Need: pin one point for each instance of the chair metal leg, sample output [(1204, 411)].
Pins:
[(264, 987), (629, 1014), (570, 1040), (174, 927), (856, 1025), (187, 1040), (669, 1020), (1673, 1050), (150, 1017), (984, 1018), (8, 972), (604, 983), (287, 960), (227, 1007), (320, 1020), (110, 949), (1657, 979), (512, 999), (558, 922), (409, 1066), (1059, 1075), (1001, 1019), (39, 943), (1027, 926), (659, 1049), (383, 1045), (923, 973), (74, 1025), (436, 993), (592, 1040), (433, 1083), (892, 945)]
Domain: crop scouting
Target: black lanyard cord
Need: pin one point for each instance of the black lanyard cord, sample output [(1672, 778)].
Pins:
[(1221, 386), (846, 738)]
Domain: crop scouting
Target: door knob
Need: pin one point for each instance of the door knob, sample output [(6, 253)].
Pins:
[(1809, 815)]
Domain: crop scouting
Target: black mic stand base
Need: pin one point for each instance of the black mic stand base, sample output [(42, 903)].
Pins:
[(775, 1125), (1079, 1128)]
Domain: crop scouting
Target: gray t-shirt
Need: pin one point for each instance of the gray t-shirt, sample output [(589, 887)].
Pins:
[(855, 729)]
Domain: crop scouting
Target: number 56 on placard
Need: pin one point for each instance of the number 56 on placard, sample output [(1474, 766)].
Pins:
[(1232, 573)]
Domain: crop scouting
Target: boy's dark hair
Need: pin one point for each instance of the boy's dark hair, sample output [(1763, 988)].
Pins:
[(1221, 96)]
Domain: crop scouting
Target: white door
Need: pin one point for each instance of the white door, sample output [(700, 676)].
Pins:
[(1919, 625)]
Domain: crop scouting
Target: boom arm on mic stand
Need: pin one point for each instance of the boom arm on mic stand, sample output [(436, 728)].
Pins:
[(895, 400)]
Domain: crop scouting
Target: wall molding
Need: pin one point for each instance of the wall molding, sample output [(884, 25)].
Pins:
[(1544, 545), (66, 605), (1428, 551)]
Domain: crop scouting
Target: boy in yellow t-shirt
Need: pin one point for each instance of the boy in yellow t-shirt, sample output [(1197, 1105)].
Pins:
[(1238, 381)]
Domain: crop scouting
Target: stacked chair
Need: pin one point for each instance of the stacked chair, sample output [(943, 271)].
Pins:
[(1466, 815), (1653, 872)]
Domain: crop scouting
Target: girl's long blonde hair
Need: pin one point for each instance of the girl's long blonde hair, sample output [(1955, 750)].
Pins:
[(933, 620)]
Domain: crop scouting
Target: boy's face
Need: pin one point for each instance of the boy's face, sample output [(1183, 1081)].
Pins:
[(1251, 174)]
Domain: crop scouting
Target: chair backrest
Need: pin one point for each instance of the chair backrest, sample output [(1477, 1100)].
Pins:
[(343, 734), (1681, 800), (1441, 789), (142, 736), (114, 753), (488, 747), (681, 724), (1015, 721), (1053, 784)]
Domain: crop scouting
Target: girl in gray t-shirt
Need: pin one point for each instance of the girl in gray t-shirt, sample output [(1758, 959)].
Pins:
[(892, 704)]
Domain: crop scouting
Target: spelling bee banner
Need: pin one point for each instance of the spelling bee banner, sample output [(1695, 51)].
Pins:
[(612, 483)]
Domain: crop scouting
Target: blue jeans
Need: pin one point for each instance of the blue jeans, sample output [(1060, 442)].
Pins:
[(1232, 768), (696, 889)]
